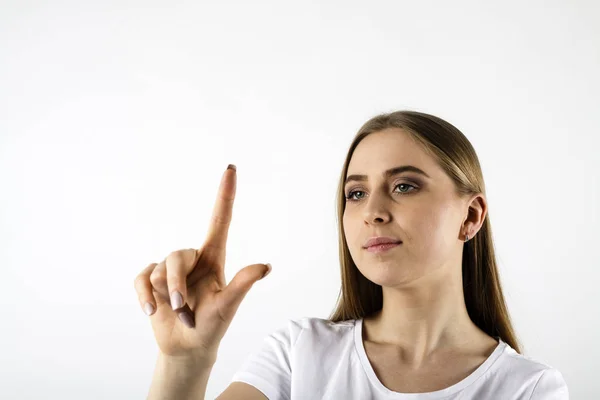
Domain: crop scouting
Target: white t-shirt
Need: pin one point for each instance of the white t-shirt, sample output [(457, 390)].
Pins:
[(312, 358)]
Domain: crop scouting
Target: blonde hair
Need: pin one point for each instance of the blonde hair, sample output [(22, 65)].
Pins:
[(359, 297)]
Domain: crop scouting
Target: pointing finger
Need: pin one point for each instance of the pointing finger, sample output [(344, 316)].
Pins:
[(222, 213)]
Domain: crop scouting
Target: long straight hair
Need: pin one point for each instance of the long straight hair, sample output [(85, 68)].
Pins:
[(359, 297)]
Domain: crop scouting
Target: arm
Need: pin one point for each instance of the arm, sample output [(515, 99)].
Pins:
[(180, 378), (550, 386)]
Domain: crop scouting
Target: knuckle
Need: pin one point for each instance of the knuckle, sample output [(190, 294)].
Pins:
[(139, 278), (139, 284), (177, 254), (158, 277), (227, 206), (173, 254), (175, 280), (181, 257)]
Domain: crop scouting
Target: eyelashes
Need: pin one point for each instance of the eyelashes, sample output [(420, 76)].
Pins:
[(353, 192)]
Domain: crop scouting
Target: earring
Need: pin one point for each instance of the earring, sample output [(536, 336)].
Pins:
[(466, 238)]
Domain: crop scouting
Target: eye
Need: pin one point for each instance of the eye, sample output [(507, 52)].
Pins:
[(353, 192)]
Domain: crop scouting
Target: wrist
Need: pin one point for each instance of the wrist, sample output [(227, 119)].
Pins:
[(204, 360), (180, 377)]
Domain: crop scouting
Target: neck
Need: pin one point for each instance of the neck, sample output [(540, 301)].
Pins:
[(425, 318)]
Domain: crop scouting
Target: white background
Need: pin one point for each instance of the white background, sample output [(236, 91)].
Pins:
[(118, 118)]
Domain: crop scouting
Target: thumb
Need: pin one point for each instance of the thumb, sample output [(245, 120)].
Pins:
[(236, 290)]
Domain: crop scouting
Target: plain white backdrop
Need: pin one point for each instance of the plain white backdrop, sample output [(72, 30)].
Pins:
[(118, 118)]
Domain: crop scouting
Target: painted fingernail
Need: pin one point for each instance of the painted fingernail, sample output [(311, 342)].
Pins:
[(269, 268), (232, 166), (148, 308), (186, 319), (176, 300)]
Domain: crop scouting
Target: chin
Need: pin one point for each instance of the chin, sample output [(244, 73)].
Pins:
[(387, 274)]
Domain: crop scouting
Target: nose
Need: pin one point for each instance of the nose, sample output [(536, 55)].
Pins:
[(376, 212), (376, 218)]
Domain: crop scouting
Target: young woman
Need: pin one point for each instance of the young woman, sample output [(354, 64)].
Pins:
[(421, 313)]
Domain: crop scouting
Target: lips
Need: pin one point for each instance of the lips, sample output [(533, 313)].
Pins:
[(381, 240)]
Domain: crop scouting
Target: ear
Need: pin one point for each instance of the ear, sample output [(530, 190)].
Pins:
[(475, 216)]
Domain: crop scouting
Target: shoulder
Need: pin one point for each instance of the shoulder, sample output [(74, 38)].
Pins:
[(550, 385), (545, 381), (320, 325), (523, 362), (313, 328)]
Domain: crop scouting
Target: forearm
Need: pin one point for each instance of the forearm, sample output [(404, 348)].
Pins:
[(179, 379)]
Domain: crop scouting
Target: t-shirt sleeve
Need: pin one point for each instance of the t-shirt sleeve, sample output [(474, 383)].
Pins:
[(269, 368), (550, 386)]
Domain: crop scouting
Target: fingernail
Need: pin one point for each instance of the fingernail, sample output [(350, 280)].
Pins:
[(186, 319), (268, 270), (176, 300), (148, 308), (232, 166)]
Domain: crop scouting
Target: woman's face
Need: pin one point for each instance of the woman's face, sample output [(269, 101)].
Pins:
[(423, 212)]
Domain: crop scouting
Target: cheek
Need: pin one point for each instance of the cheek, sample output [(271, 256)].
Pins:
[(420, 223), (348, 229), (351, 231), (436, 227)]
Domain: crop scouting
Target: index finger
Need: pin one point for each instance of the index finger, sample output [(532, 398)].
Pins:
[(223, 210)]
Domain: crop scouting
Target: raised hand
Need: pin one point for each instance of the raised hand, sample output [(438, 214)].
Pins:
[(189, 303)]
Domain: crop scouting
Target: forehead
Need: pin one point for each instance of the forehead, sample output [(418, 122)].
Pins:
[(387, 149)]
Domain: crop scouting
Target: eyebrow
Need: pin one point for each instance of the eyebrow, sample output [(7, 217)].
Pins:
[(389, 173)]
